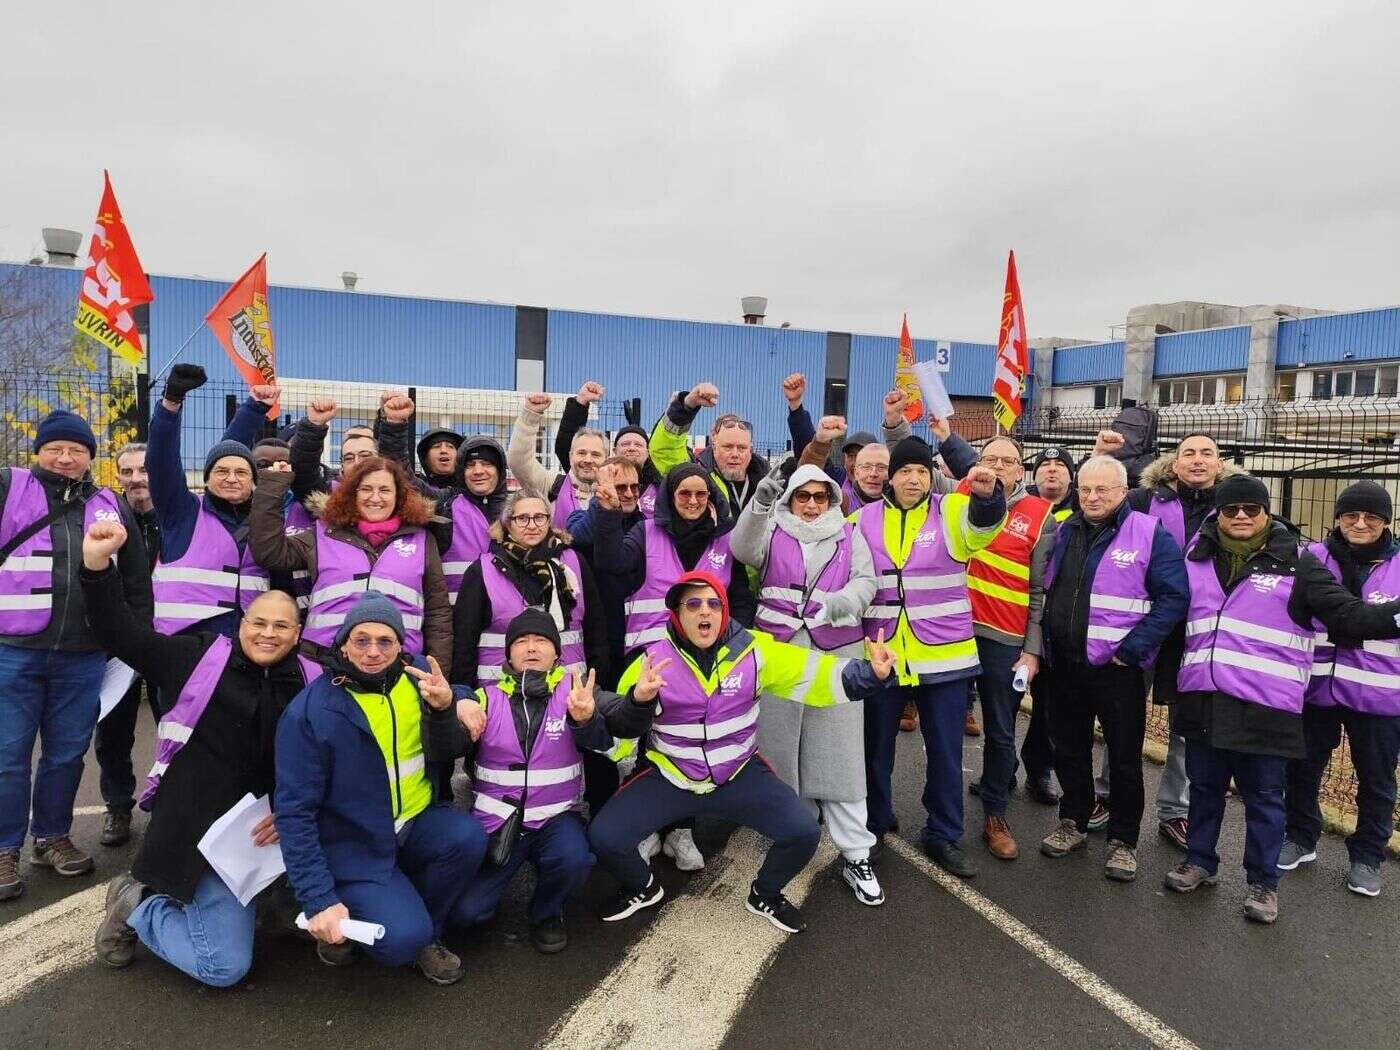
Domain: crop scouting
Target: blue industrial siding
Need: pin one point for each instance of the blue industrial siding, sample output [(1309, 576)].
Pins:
[(1092, 363), (873, 357), (650, 358), (1209, 350), (1368, 335)]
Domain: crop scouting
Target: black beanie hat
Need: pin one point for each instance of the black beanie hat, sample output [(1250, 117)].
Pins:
[(912, 450), (62, 425), (533, 620), (1365, 496), (631, 428), (1055, 453), (1241, 488)]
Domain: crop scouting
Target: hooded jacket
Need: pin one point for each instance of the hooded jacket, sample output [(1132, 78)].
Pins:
[(431, 438)]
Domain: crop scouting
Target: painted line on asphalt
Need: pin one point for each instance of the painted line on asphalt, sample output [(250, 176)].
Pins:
[(1091, 984), (687, 976), (49, 940), (89, 811)]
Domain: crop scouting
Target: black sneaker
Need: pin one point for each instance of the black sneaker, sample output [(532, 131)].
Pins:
[(116, 827), (950, 857), (1042, 789), (778, 910), (629, 902), (549, 936)]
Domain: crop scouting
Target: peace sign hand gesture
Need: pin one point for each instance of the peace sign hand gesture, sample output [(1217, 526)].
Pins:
[(650, 683), (432, 685), (581, 705), (881, 659)]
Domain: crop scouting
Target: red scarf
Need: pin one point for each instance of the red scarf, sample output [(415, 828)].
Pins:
[(378, 532)]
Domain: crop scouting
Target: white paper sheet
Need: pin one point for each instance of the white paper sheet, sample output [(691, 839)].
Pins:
[(935, 394), (352, 929), (246, 869), (116, 680)]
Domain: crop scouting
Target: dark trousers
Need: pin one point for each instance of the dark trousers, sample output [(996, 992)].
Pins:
[(942, 709), (1077, 694), (755, 798), (600, 780), (558, 850), (113, 741), (439, 851), (1259, 779), (1037, 753), (999, 706), (1375, 746)]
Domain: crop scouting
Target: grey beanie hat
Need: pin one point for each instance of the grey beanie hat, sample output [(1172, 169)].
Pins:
[(228, 448), (371, 607)]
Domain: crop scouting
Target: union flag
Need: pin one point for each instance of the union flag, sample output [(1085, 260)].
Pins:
[(113, 283), (241, 323), (904, 378), (1012, 364)]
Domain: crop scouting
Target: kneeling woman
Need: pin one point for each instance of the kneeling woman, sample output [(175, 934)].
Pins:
[(527, 733), (706, 675)]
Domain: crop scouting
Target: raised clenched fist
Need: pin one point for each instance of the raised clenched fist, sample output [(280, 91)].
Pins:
[(895, 401), (536, 403), (830, 428), (101, 543), (702, 395), (589, 393), (397, 407), (266, 393), (321, 410), (794, 387), (981, 481), (1107, 442)]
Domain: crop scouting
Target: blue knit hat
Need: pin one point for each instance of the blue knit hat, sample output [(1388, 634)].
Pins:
[(371, 607), (62, 425), (228, 448)]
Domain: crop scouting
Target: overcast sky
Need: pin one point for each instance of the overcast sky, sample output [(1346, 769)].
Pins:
[(849, 161)]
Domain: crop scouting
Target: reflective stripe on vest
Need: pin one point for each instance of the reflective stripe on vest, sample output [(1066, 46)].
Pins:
[(213, 577), (1118, 598), (784, 604), (507, 603), (344, 572), (550, 783), (1365, 679), (999, 575), (470, 539), (646, 609)]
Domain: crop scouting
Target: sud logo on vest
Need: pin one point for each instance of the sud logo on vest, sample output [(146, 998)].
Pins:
[(1380, 597), (554, 727), (106, 515), (732, 683), (716, 559), (404, 547), (1265, 583), (1122, 557)]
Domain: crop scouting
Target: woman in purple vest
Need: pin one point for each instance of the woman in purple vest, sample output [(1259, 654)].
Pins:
[(1249, 654), (371, 535), (816, 579), (213, 746), (528, 563)]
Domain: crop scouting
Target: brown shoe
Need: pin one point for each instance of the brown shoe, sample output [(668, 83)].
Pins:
[(60, 854), (970, 726), (909, 720), (996, 833), (11, 885)]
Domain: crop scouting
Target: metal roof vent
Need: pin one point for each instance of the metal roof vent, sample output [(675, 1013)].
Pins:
[(754, 307), (62, 245), (350, 278)]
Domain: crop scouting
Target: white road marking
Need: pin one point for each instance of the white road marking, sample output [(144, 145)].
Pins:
[(685, 979), (88, 811), (1158, 1032), (49, 940)]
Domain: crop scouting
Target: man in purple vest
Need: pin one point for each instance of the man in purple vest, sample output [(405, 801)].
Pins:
[(1256, 600), (213, 746), (1115, 586), (1355, 685), (50, 662), (629, 443), (568, 491)]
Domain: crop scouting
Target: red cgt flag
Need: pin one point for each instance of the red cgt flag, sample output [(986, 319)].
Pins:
[(904, 378), (113, 283), (1012, 364), (241, 323)]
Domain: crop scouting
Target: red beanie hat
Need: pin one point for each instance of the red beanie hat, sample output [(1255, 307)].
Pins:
[(692, 579)]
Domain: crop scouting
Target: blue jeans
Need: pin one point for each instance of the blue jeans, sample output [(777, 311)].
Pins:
[(1260, 781), (558, 850), (999, 706), (439, 853), (51, 695), (210, 938), (942, 709)]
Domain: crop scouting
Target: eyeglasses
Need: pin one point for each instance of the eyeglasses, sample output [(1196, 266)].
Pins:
[(529, 519), (803, 496), (1360, 517), (236, 473), (1241, 510), (277, 626), (693, 497), (361, 644), (696, 604), (625, 489), (999, 461), (731, 422)]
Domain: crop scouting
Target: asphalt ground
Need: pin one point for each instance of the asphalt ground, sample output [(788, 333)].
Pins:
[(1033, 953)]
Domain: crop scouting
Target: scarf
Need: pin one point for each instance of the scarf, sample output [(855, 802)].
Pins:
[(378, 532), (344, 673), (1238, 552), (538, 574)]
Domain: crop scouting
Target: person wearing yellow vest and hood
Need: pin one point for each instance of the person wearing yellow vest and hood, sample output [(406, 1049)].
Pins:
[(362, 834)]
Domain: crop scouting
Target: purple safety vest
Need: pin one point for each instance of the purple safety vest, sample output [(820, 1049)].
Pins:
[(27, 584), (931, 588), (507, 604), (784, 603), (344, 572), (1118, 598), (1365, 679), (178, 724), (549, 783), (470, 539), (299, 520), (646, 502), (565, 500), (211, 578), (849, 493), (1244, 644), (705, 735), (1169, 513), (646, 609)]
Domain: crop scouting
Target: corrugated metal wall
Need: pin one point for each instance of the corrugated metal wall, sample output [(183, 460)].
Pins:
[(650, 358), (1087, 364), (1366, 335), (1209, 350), (872, 373)]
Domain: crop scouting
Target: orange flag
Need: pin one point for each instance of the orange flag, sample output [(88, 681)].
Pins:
[(242, 325), (904, 378), (1012, 364), (113, 283)]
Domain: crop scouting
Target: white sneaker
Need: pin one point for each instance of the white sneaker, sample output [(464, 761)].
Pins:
[(860, 876), (649, 846), (680, 847)]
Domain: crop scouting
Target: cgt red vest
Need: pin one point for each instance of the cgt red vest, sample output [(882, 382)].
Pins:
[(999, 575)]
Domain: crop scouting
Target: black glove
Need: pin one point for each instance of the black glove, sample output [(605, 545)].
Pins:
[(183, 379), (786, 469)]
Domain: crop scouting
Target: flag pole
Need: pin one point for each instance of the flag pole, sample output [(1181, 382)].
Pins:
[(176, 356)]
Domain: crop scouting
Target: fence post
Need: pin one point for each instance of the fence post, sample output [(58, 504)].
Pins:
[(1286, 498), (230, 408), (143, 406), (412, 427)]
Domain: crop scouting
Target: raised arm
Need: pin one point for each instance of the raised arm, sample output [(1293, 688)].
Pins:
[(272, 548), (252, 414), (308, 442), (668, 445), (753, 531), (574, 418), (176, 507), (799, 419), (520, 453)]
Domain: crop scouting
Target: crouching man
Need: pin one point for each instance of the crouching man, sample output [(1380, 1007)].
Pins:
[(697, 690), (362, 833)]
